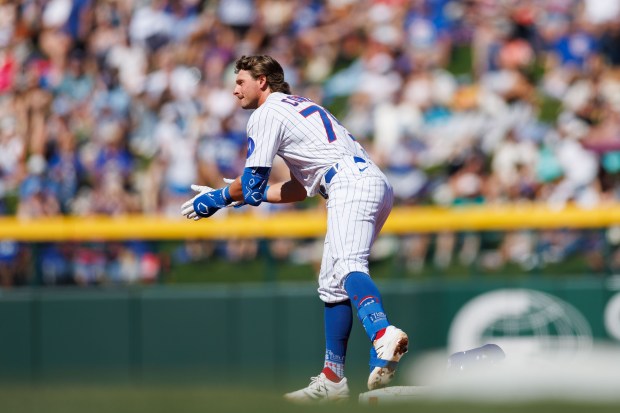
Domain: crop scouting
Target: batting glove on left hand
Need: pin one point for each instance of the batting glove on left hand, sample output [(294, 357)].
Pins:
[(206, 203), (187, 209)]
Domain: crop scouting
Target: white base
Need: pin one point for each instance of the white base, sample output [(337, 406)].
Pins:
[(393, 394)]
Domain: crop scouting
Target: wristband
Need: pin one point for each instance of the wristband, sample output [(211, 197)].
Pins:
[(265, 193), (226, 195)]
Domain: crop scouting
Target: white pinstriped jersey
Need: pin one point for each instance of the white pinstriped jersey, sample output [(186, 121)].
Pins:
[(304, 134), (311, 141)]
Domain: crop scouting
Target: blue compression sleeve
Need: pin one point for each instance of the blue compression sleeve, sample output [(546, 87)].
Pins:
[(253, 183), (366, 298)]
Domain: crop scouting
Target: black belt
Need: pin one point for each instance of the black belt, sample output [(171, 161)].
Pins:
[(329, 175), (331, 172)]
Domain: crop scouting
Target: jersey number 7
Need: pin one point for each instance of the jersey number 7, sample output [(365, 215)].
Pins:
[(327, 123)]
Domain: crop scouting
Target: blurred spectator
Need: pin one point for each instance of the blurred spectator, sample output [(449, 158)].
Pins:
[(9, 263), (55, 264), (12, 152), (130, 61), (151, 27), (89, 264), (37, 194), (65, 168), (176, 161)]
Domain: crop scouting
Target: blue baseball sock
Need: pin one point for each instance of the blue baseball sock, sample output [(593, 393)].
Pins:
[(366, 298), (338, 323)]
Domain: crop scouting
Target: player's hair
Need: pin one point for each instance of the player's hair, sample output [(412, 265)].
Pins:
[(267, 66)]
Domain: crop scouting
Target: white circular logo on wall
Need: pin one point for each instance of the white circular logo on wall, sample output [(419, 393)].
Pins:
[(521, 321), (612, 317)]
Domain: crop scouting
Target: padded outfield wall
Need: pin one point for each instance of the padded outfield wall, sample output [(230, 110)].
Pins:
[(231, 333)]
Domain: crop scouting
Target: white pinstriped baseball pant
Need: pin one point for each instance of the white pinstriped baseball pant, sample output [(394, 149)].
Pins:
[(360, 200)]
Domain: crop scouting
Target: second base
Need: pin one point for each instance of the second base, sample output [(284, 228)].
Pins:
[(394, 394)]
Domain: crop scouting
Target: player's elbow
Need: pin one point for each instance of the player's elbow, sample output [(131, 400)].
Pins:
[(299, 196), (301, 192), (254, 184), (253, 198), (293, 191)]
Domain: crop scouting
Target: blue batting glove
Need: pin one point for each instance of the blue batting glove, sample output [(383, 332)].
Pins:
[(219, 198), (207, 202), (204, 207)]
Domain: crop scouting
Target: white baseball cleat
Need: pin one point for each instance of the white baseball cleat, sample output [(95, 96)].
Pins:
[(320, 389), (390, 348)]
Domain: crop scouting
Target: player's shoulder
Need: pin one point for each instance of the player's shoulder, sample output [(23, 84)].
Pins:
[(293, 102), (278, 100), (272, 108)]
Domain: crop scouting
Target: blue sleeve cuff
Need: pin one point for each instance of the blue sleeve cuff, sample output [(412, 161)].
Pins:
[(226, 195), (265, 193)]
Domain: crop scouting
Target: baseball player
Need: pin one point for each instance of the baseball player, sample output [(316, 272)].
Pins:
[(324, 159)]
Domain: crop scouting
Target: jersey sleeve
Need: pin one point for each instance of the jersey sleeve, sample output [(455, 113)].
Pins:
[(265, 133)]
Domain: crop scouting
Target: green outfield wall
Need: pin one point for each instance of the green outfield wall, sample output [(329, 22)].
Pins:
[(229, 333)]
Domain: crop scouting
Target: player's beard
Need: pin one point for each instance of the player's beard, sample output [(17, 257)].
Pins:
[(248, 103)]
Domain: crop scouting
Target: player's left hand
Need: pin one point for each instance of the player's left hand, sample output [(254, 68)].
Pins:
[(207, 202), (189, 210)]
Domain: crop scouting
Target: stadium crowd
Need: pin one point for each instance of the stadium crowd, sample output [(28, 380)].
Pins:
[(116, 106)]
